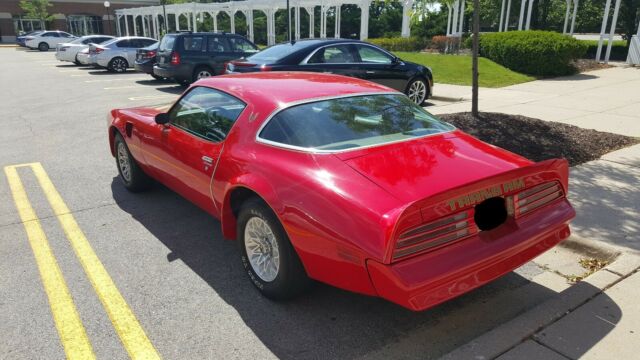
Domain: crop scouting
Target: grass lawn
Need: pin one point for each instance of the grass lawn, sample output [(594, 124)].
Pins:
[(456, 70)]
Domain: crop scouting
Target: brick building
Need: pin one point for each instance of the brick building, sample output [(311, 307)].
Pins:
[(80, 17)]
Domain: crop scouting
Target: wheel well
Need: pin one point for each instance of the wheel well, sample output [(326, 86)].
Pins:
[(231, 209), (112, 139)]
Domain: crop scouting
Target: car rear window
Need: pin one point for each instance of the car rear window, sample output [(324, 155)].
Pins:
[(351, 122), (276, 52), (167, 43)]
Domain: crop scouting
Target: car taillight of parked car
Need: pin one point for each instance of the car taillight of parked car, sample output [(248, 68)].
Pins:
[(150, 54), (175, 58), (96, 51)]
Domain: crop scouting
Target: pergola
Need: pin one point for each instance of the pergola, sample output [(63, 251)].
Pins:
[(151, 24)]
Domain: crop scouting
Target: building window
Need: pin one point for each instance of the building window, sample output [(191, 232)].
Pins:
[(80, 25), (23, 25)]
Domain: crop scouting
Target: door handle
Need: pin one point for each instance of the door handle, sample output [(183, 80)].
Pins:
[(370, 72), (207, 160)]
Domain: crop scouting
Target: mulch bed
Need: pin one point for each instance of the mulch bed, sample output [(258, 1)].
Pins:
[(584, 65), (539, 140)]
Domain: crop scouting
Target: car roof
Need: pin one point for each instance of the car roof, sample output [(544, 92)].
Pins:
[(278, 88)]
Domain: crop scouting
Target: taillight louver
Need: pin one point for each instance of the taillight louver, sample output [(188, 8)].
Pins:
[(436, 233), (535, 197)]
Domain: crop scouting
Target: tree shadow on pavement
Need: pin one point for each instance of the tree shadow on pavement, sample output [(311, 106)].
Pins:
[(607, 202), (326, 322)]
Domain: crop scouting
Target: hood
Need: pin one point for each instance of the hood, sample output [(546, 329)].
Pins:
[(417, 169)]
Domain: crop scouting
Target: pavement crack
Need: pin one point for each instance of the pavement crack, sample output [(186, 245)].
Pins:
[(57, 215)]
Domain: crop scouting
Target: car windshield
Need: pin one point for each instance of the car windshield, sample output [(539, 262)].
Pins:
[(351, 122), (167, 43)]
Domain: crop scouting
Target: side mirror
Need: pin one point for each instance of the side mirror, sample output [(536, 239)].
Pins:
[(396, 60), (162, 118)]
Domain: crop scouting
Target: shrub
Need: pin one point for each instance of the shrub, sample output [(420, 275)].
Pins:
[(618, 50), (543, 53), (400, 43), (439, 42)]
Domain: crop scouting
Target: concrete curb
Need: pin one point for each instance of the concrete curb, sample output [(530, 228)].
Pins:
[(448, 98), (512, 333)]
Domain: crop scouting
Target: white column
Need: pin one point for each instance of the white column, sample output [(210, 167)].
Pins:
[(135, 25), (126, 24), (566, 17), (195, 21), (232, 18), (214, 18), (529, 11), (187, 15), (605, 18), (508, 16), (336, 31), (310, 11), (323, 21), (248, 14), (614, 22), (575, 12), (461, 16), (448, 32), (456, 11), (297, 16), (118, 25), (502, 16), (523, 4), (144, 25), (406, 18), (364, 20), (271, 38)]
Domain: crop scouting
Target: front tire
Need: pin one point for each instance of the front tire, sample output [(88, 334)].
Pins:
[(118, 64), (131, 175), (268, 257), (418, 91), (43, 46)]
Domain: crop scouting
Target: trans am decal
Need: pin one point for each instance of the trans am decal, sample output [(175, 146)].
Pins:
[(479, 196)]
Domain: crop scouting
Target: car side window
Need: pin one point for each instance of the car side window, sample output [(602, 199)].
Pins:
[(64, 34), (217, 44), (90, 40), (53, 34), (123, 43), (372, 55), (193, 43), (241, 45), (206, 113), (338, 54)]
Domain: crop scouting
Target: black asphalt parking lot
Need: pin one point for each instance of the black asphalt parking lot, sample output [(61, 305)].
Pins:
[(182, 282)]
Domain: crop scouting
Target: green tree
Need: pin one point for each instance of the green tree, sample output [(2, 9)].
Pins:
[(629, 18), (37, 9)]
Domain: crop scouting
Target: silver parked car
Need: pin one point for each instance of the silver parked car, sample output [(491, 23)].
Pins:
[(69, 51), (119, 54)]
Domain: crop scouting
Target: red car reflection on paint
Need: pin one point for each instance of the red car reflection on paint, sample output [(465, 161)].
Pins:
[(345, 182)]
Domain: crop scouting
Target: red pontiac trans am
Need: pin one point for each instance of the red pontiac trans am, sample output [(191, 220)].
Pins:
[(346, 182)]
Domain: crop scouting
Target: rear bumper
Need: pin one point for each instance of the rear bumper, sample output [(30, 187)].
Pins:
[(180, 73), (426, 280), (144, 67)]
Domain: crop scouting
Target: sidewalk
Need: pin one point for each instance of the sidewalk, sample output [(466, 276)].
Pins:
[(605, 100), (598, 318)]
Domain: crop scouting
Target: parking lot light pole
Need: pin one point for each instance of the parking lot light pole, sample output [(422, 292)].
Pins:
[(107, 5)]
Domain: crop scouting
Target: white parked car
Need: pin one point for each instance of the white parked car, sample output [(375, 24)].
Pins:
[(47, 40), (119, 54), (68, 51)]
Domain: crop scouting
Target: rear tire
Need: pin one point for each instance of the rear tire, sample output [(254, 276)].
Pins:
[(118, 65), (43, 46), (268, 257), (157, 77), (131, 175), (201, 72)]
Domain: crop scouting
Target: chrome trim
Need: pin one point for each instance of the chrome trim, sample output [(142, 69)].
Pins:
[(304, 61), (332, 97)]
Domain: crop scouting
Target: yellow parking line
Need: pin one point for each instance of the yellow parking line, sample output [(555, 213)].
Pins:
[(70, 329), (124, 321)]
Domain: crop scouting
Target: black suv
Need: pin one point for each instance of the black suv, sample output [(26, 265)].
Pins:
[(187, 57)]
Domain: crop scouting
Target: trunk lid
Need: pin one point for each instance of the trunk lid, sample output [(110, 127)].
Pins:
[(417, 169)]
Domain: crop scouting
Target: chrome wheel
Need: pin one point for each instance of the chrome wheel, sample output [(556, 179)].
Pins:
[(119, 65), (262, 249), (417, 92), (124, 163), (203, 74)]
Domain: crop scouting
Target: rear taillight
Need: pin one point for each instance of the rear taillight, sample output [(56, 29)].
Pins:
[(150, 54), (98, 50), (533, 198), (435, 233), (175, 58)]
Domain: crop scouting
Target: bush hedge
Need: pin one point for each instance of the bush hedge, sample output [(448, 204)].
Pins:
[(618, 50), (400, 43), (542, 53)]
